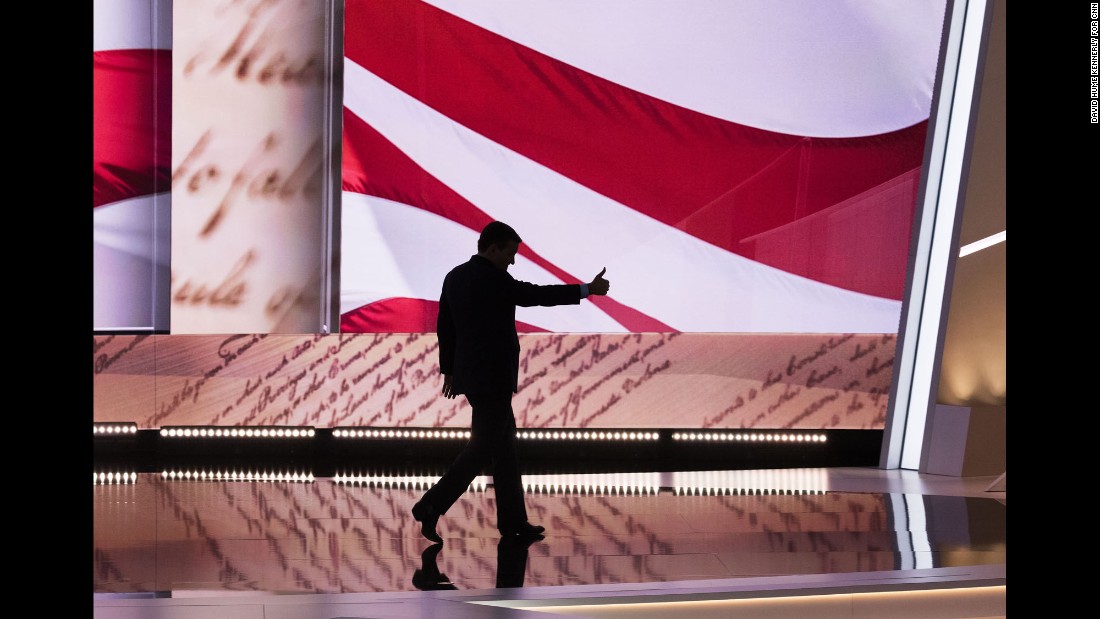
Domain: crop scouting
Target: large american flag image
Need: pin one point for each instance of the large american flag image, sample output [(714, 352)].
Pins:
[(738, 166)]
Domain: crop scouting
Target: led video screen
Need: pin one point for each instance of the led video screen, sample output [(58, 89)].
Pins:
[(746, 172), (737, 167)]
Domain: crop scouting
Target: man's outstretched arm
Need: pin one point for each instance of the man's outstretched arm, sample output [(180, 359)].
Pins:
[(526, 294)]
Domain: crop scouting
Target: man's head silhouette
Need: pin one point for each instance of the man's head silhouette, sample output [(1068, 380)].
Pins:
[(498, 244)]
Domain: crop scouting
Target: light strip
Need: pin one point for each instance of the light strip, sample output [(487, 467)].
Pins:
[(104, 478), (586, 435), (750, 437), (402, 433), (768, 481), (237, 475), (693, 483), (602, 489), (114, 428), (988, 241), (268, 432), (537, 435), (401, 482), (744, 492), (594, 483)]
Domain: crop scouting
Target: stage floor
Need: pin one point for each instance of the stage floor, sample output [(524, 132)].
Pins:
[(178, 537)]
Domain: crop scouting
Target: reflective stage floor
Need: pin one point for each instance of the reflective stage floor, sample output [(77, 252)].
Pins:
[(283, 544)]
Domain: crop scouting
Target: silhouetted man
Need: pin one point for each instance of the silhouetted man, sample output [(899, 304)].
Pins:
[(479, 357)]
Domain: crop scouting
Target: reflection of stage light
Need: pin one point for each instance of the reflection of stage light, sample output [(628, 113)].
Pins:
[(102, 478), (114, 428), (754, 482), (744, 491), (237, 475), (591, 488), (265, 432), (399, 482)]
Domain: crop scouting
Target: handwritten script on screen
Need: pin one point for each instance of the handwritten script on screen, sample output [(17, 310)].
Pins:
[(247, 166), (634, 380)]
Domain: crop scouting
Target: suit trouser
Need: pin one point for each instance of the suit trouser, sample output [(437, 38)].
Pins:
[(511, 562), (492, 443)]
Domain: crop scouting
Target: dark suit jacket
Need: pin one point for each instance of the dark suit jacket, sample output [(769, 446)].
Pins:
[(478, 343)]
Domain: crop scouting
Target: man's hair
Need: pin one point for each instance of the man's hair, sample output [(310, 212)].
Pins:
[(494, 233)]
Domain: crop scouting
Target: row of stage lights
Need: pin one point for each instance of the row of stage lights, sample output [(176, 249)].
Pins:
[(114, 477), (538, 435), (114, 429), (522, 434), (235, 432), (745, 491), (572, 435), (573, 485), (750, 437), (105, 478), (480, 484), (598, 489), (402, 482), (400, 433), (423, 482), (275, 432), (264, 432), (237, 475)]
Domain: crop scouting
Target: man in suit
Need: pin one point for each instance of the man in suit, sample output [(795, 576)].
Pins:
[(479, 357)]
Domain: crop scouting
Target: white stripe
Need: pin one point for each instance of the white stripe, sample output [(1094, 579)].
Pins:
[(123, 287), (130, 251), (395, 250), (682, 281), (131, 24), (133, 226), (841, 68)]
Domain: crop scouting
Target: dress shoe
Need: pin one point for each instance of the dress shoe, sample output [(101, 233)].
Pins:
[(524, 530), (426, 515), (428, 577)]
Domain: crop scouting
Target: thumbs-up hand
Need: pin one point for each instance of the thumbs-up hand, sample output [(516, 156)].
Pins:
[(599, 285)]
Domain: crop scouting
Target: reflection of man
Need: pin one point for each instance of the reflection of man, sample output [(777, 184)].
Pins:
[(511, 565), (479, 357)]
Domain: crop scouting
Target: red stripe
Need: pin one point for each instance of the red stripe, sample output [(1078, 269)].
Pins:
[(719, 181), (403, 315), (373, 166), (132, 126)]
